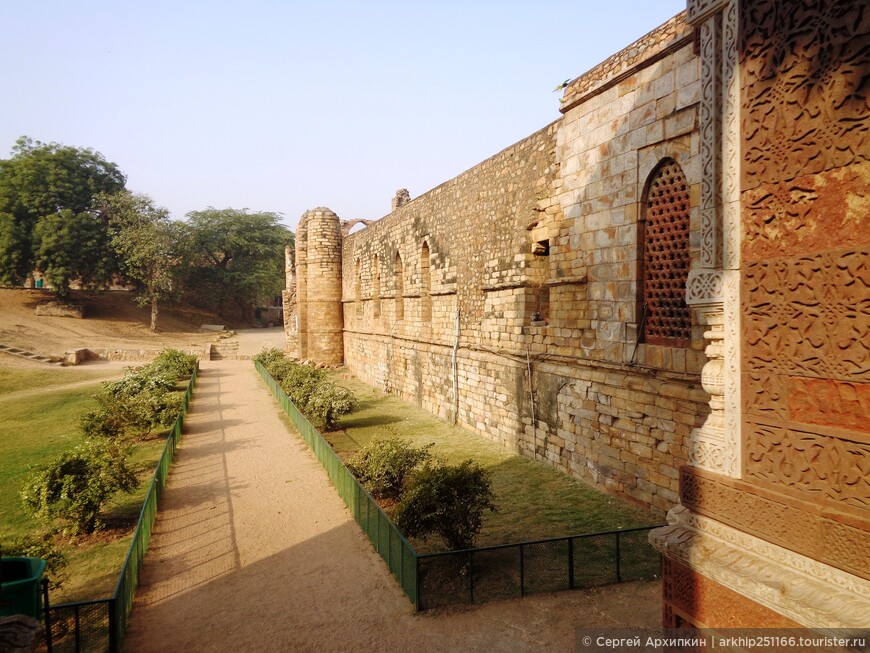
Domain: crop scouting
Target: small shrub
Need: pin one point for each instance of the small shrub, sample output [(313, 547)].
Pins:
[(301, 382), (102, 423), (39, 546), (134, 406), (267, 357), (175, 363), (448, 501), (383, 466), (328, 403), (76, 485), (280, 368)]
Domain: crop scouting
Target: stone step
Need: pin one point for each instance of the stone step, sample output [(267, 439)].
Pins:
[(21, 353)]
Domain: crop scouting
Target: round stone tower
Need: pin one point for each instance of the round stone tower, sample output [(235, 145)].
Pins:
[(318, 287)]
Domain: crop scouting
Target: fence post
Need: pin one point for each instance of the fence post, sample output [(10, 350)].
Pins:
[(522, 571), (113, 624), (570, 563), (417, 582), (46, 613), (618, 556), (471, 575)]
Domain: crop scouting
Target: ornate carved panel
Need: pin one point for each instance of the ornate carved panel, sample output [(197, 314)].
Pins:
[(830, 537), (809, 213), (765, 394), (829, 403), (806, 67), (809, 316), (818, 466)]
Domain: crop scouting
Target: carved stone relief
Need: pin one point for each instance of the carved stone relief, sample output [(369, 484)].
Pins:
[(829, 537), (809, 316), (805, 67), (700, 550), (818, 466)]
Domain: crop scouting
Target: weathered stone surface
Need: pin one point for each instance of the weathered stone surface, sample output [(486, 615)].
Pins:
[(59, 309)]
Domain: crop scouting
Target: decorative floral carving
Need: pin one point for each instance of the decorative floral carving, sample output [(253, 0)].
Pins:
[(809, 316), (805, 68), (818, 465)]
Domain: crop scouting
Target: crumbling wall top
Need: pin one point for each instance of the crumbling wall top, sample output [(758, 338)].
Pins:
[(673, 34)]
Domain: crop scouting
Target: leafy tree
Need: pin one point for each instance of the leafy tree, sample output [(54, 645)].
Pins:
[(236, 258), (71, 245), (446, 500), (149, 245), (77, 484), (383, 466), (52, 182)]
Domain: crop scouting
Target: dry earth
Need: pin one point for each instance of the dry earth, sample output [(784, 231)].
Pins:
[(112, 320)]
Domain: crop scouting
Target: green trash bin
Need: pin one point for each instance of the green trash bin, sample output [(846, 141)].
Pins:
[(20, 591)]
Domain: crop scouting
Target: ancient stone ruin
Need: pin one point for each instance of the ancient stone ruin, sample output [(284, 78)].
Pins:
[(665, 293)]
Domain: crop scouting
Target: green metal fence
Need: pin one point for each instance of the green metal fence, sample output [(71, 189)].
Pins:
[(392, 546), (509, 571), (487, 573), (98, 626)]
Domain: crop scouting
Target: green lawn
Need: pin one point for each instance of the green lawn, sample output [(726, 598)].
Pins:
[(34, 430), (14, 380), (535, 501)]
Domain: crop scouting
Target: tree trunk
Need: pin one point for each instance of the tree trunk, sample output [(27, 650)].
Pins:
[(154, 314)]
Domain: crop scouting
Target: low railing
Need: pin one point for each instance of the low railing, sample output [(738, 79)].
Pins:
[(98, 626), (486, 573)]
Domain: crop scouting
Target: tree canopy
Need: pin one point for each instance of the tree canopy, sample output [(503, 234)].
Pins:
[(47, 223), (235, 258), (149, 245)]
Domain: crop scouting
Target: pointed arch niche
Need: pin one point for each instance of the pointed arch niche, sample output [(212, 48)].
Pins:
[(664, 256)]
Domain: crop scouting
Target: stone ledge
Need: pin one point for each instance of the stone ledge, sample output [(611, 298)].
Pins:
[(58, 309), (809, 592)]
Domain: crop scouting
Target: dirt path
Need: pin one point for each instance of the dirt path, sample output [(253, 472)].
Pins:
[(254, 551)]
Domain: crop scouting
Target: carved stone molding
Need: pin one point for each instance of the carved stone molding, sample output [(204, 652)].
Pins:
[(731, 140), (711, 155), (731, 377), (698, 10), (707, 443), (806, 591), (838, 536), (704, 286)]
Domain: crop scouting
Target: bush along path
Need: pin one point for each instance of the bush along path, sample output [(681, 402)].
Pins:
[(253, 550), (431, 503), (70, 493)]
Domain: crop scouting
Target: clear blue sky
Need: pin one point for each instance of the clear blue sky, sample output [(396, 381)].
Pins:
[(285, 106)]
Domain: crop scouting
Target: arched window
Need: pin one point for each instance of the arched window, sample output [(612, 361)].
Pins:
[(376, 273), (425, 284), (400, 288), (664, 237)]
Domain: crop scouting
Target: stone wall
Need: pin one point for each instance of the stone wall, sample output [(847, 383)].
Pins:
[(531, 275)]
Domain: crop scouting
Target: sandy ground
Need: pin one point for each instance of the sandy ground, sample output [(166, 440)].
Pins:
[(112, 320), (254, 551)]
